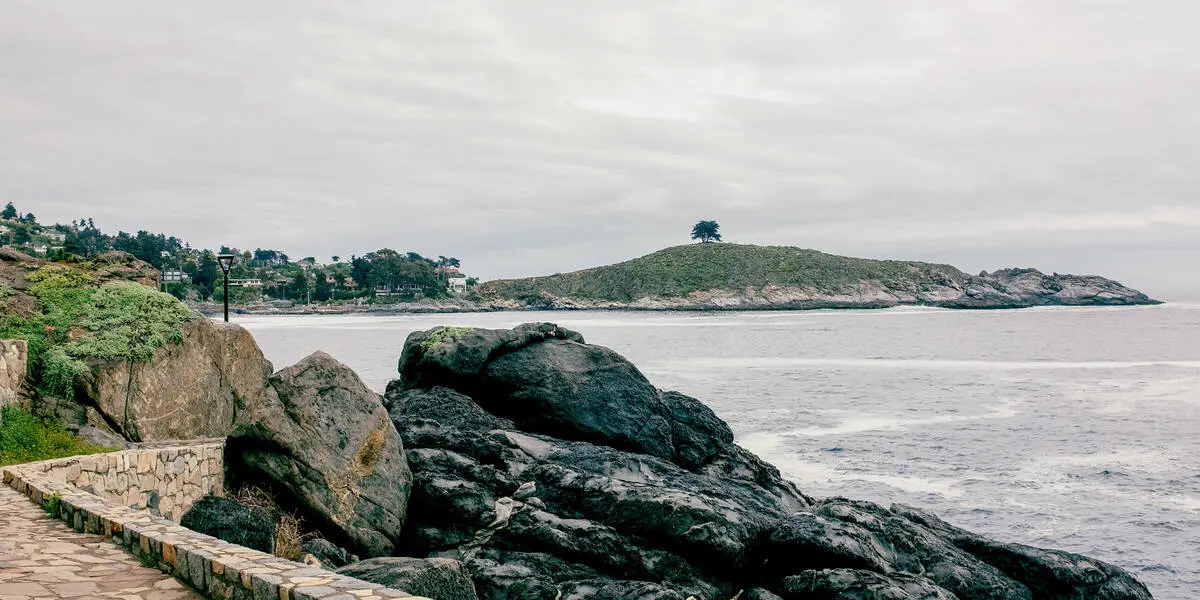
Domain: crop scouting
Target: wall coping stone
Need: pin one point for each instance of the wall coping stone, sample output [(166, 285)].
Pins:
[(214, 567)]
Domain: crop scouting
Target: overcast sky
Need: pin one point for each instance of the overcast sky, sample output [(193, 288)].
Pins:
[(529, 137)]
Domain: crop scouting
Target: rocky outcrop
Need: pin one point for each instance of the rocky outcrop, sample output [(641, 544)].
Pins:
[(324, 444), (552, 469), (329, 555), (14, 354), (435, 578), (1007, 288), (544, 379), (227, 520), (198, 388)]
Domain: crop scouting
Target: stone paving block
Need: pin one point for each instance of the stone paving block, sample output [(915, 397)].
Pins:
[(84, 564)]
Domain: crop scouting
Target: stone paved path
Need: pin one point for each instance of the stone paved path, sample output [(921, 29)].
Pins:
[(42, 558)]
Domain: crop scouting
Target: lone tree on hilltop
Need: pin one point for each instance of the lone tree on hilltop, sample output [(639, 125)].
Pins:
[(707, 232), (10, 211)]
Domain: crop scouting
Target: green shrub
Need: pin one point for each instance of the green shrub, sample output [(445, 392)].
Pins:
[(116, 321), (25, 438), (52, 504)]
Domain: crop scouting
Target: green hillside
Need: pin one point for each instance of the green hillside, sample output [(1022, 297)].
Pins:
[(681, 270)]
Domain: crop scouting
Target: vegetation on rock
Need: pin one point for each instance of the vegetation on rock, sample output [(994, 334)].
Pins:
[(682, 270), (25, 438), (80, 321)]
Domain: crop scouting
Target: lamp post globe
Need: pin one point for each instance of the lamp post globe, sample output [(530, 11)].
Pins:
[(226, 261)]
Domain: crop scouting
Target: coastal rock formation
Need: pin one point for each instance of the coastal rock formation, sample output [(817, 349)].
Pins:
[(743, 277), (544, 379), (225, 519), (435, 578), (516, 475), (194, 389), (325, 445)]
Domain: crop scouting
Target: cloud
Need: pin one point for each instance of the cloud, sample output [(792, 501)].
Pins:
[(534, 136)]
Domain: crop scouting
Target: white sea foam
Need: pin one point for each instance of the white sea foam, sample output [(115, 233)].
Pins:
[(860, 424)]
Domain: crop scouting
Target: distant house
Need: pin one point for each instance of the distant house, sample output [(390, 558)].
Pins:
[(57, 237), (173, 276), (458, 285), (249, 282), (351, 283), (40, 248)]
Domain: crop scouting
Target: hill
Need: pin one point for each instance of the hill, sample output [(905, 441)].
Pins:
[(739, 277)]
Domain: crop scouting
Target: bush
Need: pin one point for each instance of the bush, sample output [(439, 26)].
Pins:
[(80, 323), (25, 438)]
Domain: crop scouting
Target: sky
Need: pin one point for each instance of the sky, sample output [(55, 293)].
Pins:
[(530, 137)]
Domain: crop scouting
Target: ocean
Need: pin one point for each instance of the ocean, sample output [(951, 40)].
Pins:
[(1069, 428)]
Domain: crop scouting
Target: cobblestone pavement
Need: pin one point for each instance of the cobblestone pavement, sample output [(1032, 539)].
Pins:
[(42, 558)]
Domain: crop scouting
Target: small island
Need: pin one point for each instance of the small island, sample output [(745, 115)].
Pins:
[(713, 276)]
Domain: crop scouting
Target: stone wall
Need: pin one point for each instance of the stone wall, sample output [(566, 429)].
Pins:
[(165, 480), (13, 356), (215, 568)]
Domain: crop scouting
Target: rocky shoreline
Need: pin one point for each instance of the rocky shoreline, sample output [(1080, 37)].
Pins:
[(527, 464), (1004, 289)]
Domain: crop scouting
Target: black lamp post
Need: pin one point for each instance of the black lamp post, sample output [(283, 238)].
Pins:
[(226, 261)]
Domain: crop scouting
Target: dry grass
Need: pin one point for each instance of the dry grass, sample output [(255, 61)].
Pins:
[(289, 539), (368, 455), (289, 528)]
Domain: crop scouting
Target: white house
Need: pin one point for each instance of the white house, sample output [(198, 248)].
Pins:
[(458, 285), (57, 237)]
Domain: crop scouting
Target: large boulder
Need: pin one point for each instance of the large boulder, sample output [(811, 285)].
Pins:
[(322, 441), (857, 584), (194, 389), (1050, 574), (546, 380), (856, 535), (528, 467), (482, 486), (436, 578), (225, 519)]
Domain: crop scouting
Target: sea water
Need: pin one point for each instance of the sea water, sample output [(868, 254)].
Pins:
[(1069, 428)]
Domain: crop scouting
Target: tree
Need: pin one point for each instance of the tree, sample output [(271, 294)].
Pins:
[(29, 218), (706, 232), (336, 258), (10, 211)]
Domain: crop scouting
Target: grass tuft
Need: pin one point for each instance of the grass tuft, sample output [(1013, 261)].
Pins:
[(25, 438)]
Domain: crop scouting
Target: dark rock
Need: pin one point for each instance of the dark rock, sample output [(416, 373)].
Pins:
[(225, 519), (607, 589), (1050, 574), (331, 556), (527, 467), (624, 515), (324, 443), (507, 575), (760, 594), (697, 433), (845, 534), (436, 578), (448, 355), (850, 584), (545, 379)]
